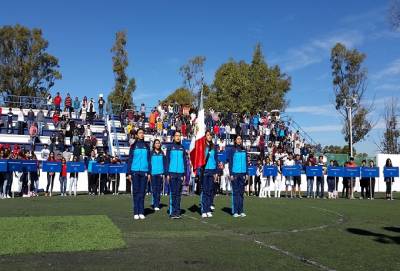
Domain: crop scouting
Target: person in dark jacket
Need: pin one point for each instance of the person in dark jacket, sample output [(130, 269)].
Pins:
[(138, 168)]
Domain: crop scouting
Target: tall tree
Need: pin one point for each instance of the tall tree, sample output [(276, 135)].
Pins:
[(349, 85), (390, 140), (121, 96), (269, 85), (182, 96), (242, 87), (394, 14), (26, 69), (193, 74)]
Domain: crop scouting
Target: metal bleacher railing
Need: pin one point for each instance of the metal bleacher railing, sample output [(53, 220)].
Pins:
[(24, 101), (111, 117)]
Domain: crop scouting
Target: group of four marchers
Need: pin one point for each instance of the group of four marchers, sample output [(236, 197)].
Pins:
[(145, 165)]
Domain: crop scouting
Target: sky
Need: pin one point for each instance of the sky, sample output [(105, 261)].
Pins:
[(164, 35)]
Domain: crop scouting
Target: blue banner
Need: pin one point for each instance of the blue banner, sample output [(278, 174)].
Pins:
[(186, 144), (370, 172), (117, 168), (14, 165), (335, 171), (75, 166), (100, 168), (351, 172), (315, 171), (3, 165), (252, 170), (29, 165), (50, 166), (291, 170), (391, 172), (270, 171), (222, 156)]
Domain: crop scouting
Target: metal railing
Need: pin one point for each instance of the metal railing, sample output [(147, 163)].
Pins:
[(114, 139), (24, 101)]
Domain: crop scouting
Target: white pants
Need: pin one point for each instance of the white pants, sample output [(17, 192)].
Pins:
[(265, 187), (225, 183), (278, 184), (73, 182)]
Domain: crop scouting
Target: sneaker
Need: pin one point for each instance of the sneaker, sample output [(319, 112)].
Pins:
[(156, 209), (209, 214), (243, 215), (236, 215), (136, 217), (141, 216), (204, 215), (212, 208), (178, 217)]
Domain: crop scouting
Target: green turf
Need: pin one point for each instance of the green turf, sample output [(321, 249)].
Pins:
[(58, 234), (276, 235)]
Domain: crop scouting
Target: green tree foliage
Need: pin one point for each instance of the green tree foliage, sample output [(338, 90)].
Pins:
[(124, 87), (26, 69), (182, 96), (242, 87), (349, 84), (394, 14), (337, 149)]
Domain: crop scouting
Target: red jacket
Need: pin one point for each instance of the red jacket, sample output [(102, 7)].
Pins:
[(57, 100)]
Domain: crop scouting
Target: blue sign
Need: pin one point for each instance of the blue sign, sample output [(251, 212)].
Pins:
[(291, 170), (117, 168), (14, 165), (3, 165), (369, 172), (100, 168), (252, 170), (222, 156), (51, 166), (335, 171), (391, 172), (186, 144), (29, 166), (351, 172), (75, 167), (315, 171), (270, 171)]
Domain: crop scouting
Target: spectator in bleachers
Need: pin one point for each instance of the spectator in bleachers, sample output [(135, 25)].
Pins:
[(21, 121), (40, 121), (67, 154), (105, 139), (30, 118), (56, 120), (68, 105), (33, 133), (45, 152), (101, 103), (10, 127), (49, 104), (57, 102), (77, 107)]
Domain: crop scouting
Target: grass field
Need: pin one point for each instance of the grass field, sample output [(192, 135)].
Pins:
[(85, 233)]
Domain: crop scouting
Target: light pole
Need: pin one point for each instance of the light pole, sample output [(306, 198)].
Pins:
[(351, 101)]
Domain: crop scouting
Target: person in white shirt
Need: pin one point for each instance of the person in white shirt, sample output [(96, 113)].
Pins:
[(278, 179), (88, 131), (265, 190), (289, 182), (44, 154), (21, 121)]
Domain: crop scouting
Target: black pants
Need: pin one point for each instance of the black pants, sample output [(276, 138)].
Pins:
[(50, 182), (92, 182), (257, 185), (103, 183)]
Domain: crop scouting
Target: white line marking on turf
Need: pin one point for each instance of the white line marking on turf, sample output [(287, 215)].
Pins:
[(282, 251)]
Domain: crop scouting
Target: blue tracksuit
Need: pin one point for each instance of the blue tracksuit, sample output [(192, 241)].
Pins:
[(139, 167), (176, 169), (238, 169), (157, 171), (207, 182)]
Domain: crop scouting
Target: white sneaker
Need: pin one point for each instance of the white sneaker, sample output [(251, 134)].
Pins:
[(209, 214), (156, 209), (243, 215), (136, 217), (204, 215), (141, 216), (212, 208), (236, 215)]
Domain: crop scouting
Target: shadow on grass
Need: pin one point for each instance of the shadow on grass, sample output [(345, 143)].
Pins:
[(227, 210), (379, 237), (195, 209)]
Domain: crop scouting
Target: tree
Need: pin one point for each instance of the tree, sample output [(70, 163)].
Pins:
[(349, 84), (193, 74), (337, 149), (121, 96), (390, 140), (394, 14), (241, 87), (182, 96), (26, 69)]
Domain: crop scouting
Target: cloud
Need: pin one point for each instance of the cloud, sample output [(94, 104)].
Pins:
[(393, 69), (316, 50), (323, 128), (321, 110)]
